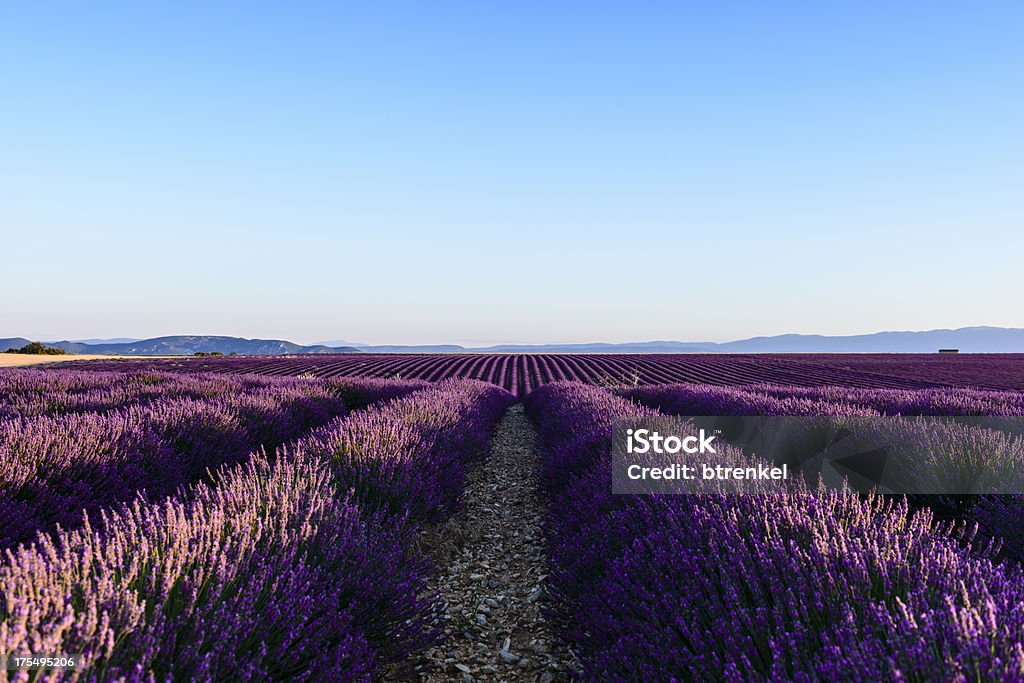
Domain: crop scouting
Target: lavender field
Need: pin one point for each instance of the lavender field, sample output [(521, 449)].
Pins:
[(274, 519), (521, 373)]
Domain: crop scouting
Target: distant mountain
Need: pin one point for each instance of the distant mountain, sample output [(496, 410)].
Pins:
[(396, 348), (601, 347), (115, 340), (426, 348), (338, 342), (596, 347), (966, 339), (187, 345), (13, 343)]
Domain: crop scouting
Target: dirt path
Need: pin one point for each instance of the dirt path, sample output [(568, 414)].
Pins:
[(493, 572)]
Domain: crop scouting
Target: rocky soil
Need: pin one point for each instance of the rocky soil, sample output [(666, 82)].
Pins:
[(492, 573)]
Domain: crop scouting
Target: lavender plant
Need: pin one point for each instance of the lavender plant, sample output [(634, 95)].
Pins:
[(409, 456), (277, 568), (268, 574), (52, 468), (800, 586)]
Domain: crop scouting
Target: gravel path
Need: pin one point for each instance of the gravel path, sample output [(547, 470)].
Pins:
[(493, 572)]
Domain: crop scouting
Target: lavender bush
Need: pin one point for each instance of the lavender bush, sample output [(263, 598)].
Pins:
[(281, 568), (409, 456), (934, 456), (704, 399), (52, 468), (944, 401), (266, 575), (797, 586), (26, 392)]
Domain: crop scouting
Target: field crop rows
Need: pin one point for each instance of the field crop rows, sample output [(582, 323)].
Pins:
[(199, 525), (792, 585), (185, 552), (934, 454), (521, 373)]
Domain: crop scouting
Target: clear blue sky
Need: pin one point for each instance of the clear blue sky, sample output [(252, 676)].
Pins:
[(534, 171)]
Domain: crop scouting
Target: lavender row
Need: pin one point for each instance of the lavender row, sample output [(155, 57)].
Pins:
[(410, 457), (26, 392), (798, 586), (945, 401), (283, 568), (54, 468), (269, 575), (705, 399), (934, 456)]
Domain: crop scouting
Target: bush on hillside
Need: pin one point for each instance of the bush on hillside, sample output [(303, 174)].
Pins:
[(39, 349)]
